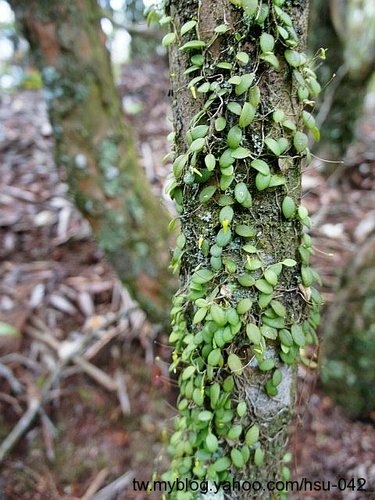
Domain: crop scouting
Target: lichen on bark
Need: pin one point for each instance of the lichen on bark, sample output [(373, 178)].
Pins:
[(239, 253)]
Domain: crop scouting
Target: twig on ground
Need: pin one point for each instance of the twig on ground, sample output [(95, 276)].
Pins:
[(122, 392), (96, 484), (15, 385), (25, 421), (113, 489)]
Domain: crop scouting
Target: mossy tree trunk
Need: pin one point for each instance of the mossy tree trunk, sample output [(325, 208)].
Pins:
[(240, 315), (97, 147), (346, 72), (348, 350)]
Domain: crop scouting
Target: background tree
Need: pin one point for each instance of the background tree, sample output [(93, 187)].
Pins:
[(347, 31), (241, 82), (96, 146), (348, 351)]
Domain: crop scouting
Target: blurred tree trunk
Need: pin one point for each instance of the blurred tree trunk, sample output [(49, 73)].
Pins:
[(97, 147), (348, 350), (346, 30), (219, 227)]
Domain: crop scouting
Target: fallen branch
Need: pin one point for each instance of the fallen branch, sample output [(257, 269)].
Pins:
[(26, 420), (110, 491), (96, 484)]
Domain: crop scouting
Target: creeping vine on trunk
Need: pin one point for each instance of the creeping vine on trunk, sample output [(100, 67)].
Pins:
[(243, 92)]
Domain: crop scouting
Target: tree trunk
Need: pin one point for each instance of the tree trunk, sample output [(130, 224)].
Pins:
[(348, 351), (97, 147), (240, 316), (347, 70)]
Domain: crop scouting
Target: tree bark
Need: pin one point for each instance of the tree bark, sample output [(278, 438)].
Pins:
[(216, 275), (97, 147)]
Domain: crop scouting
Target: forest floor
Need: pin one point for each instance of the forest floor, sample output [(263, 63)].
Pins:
[(109, 408)]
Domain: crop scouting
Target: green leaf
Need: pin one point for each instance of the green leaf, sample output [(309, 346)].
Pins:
[(267, 42), (262, 182), (234, 137), (277, 377), (254, 96), (259, 457), (289, 124), (288, 207), (252, 435), (247, 115), (242, 58), (189, 25), (279, 308), (212, 442), (193, 45), (307, 276), (244, 83), (277, 180), (261, 166), (188, 372), (220, 123), (197, 145), (214, 357), (278, 115), (245, 231), (237, 458), (223, 237), (294, 58), (234, 432), (253, 333), (221, 464), (218, 315), (6, 329), (246, 279), (199, 315), (179, 164), (168, 39), (289, 262), (250, 7), (197, 59), (235, 364), (207, 193), (222, 28), (286, 337), (300, 141), (240, 192), (199, 131), (241, 409), (298, 335), (226, 213), (226, 181), (253, 264), (271, 278), (202, 276), (234, 107), (226, 159), (240, 153), (224, 65), (249, 248), (204, 88), (271, 59), (210, 162), (273, 146), (244, 306), (205, 416), (266, 365), (165, 20), (263, 286)]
